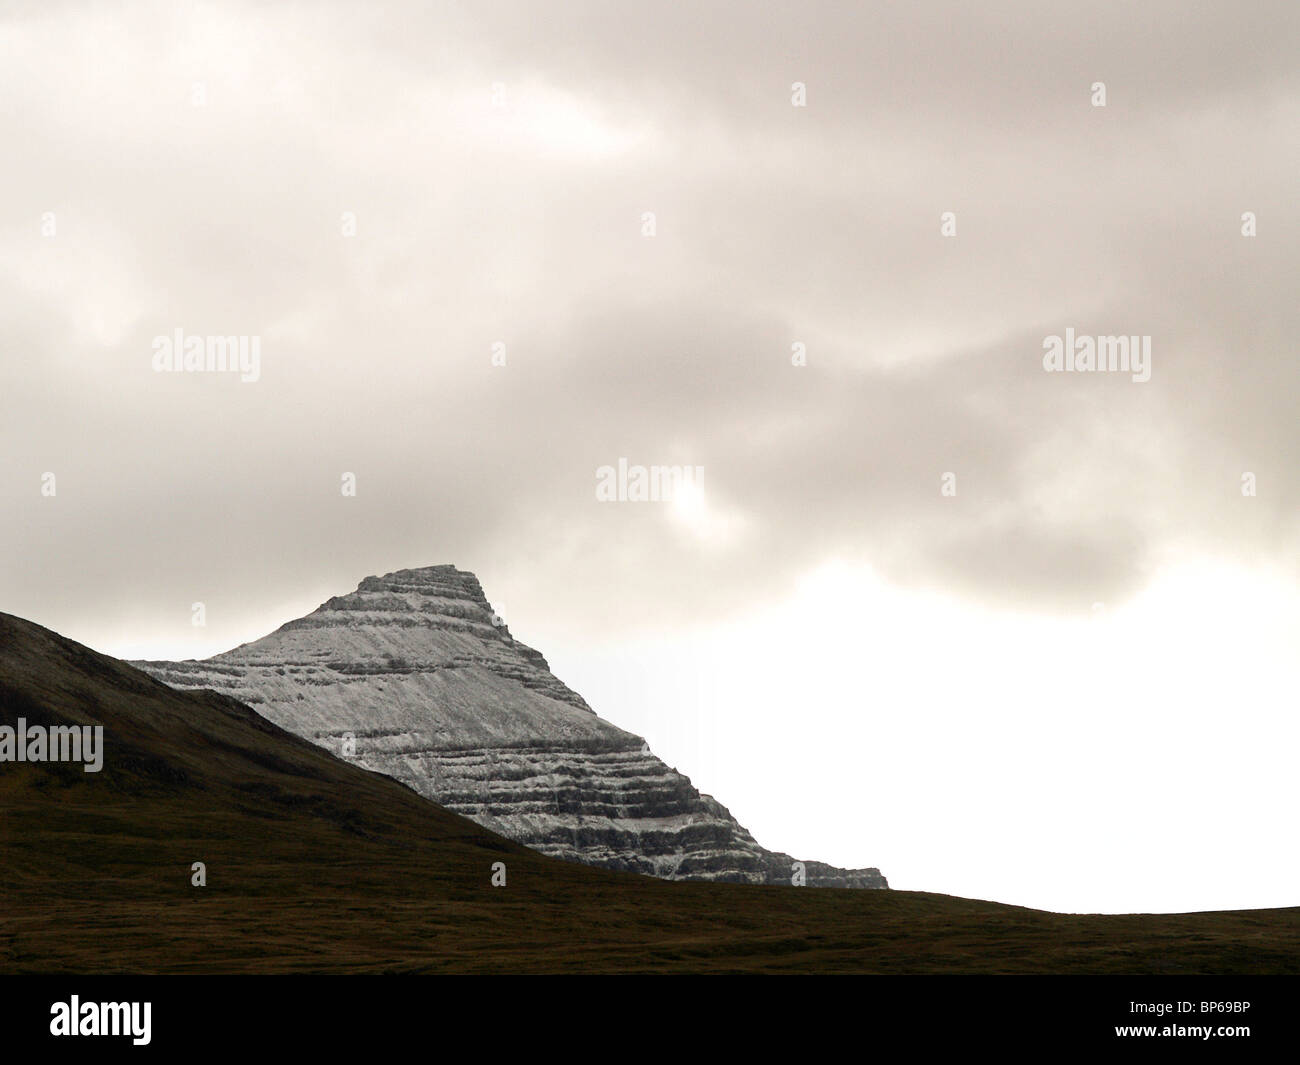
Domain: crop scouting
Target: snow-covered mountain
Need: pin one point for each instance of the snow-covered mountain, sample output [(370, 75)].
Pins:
[(414, 676)]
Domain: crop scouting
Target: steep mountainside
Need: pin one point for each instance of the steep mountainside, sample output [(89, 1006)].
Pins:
[(412, 675)]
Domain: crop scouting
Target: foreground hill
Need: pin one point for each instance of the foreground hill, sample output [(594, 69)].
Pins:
[(315, 865), (415, 676)]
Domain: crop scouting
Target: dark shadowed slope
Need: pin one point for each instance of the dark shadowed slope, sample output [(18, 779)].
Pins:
[(317, 865)]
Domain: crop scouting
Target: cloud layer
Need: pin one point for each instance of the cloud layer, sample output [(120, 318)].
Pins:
[(198, 163)]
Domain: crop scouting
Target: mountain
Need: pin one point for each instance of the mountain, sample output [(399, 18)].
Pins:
[(316, 865), (413, 675)]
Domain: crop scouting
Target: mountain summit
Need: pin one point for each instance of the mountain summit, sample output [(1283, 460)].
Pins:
[(413, 675)]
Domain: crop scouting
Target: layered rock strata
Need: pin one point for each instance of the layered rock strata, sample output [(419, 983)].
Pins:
[(414, 676)]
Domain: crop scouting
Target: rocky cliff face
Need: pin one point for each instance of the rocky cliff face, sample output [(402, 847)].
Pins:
[(412, 675)]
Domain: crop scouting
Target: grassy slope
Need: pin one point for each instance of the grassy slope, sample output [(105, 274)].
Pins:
[(317, 866)]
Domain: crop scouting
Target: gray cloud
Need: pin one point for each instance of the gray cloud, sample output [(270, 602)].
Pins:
[(775, 225)]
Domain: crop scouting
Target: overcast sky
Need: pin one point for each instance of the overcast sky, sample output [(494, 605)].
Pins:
[(1070, 684)]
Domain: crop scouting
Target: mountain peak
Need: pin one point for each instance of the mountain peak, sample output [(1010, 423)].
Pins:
[(424, 590), (413, 675), (442, 575), (429, 620)]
